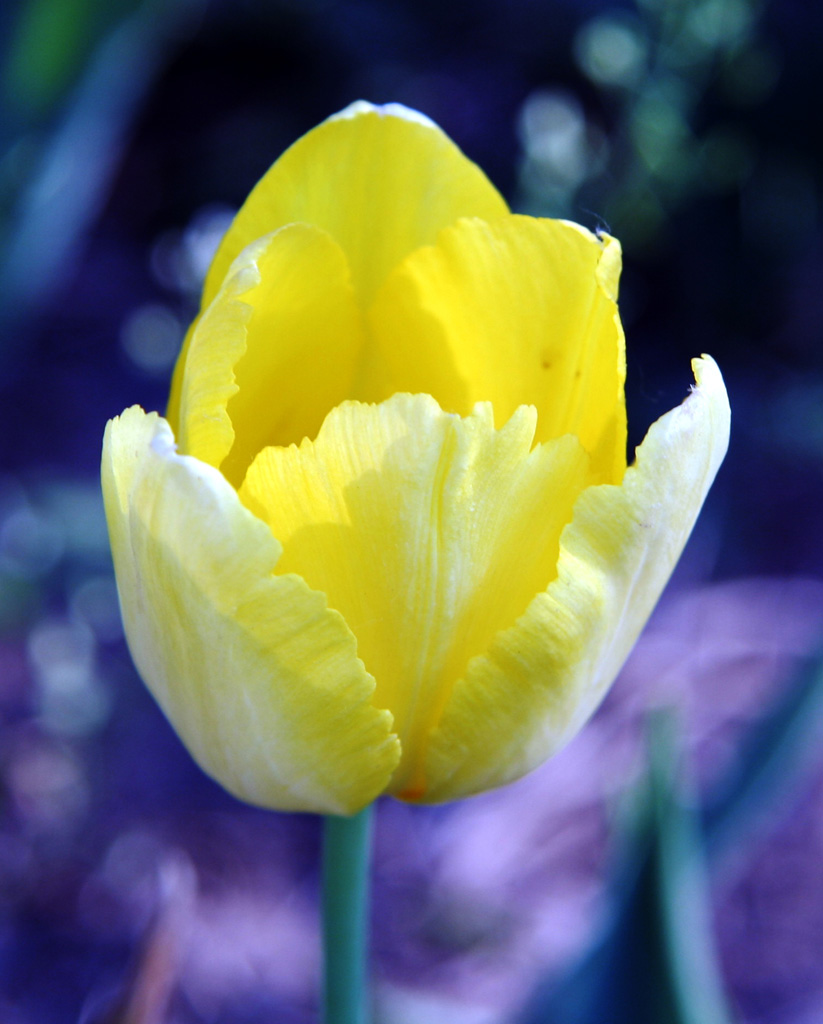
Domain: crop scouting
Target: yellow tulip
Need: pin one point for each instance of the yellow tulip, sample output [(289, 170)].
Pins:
[(386, 540)]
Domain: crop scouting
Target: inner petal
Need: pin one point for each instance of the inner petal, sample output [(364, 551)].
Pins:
[(380, 180), (513, 311), (303, 340), (274, 351), (428, 532)]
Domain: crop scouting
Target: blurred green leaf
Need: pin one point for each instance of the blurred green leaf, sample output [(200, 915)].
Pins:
[(690, 975), (777, 751), (50, 41), (655, 961), (71, 182)]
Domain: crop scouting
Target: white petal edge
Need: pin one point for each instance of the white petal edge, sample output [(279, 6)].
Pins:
[(358, 107)]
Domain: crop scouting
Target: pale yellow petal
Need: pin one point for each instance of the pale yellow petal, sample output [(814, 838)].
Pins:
[(539, 681), (275, 350), (259, 678), (516, 311), (427, 532)]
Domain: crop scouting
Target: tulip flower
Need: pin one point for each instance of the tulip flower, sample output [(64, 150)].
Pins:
[(386, 539)]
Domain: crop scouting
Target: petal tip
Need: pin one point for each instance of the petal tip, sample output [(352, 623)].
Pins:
[(711, 386), (609, 265), (360, 108), (707, 372), (709, 382), (610, 260)]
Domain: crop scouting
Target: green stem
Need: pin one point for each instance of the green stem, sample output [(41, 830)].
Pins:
[(346, 859)]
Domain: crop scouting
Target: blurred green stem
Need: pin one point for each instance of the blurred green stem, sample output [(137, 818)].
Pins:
[(346, 862)]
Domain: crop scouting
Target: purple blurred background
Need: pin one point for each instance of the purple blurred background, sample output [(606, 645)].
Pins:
[(131, 887)]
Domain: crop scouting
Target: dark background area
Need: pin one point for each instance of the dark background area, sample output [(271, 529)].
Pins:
[(128, 135)]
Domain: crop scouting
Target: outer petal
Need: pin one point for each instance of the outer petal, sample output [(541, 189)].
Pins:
[(274, 351), (427, 532), (257, 675), (540, 680), (518, 311)]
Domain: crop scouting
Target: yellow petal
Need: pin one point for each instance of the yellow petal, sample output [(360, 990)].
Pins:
[(274, 351), (518, 311), (539, 681), (382, 181), (256, 674), (428, 533)]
